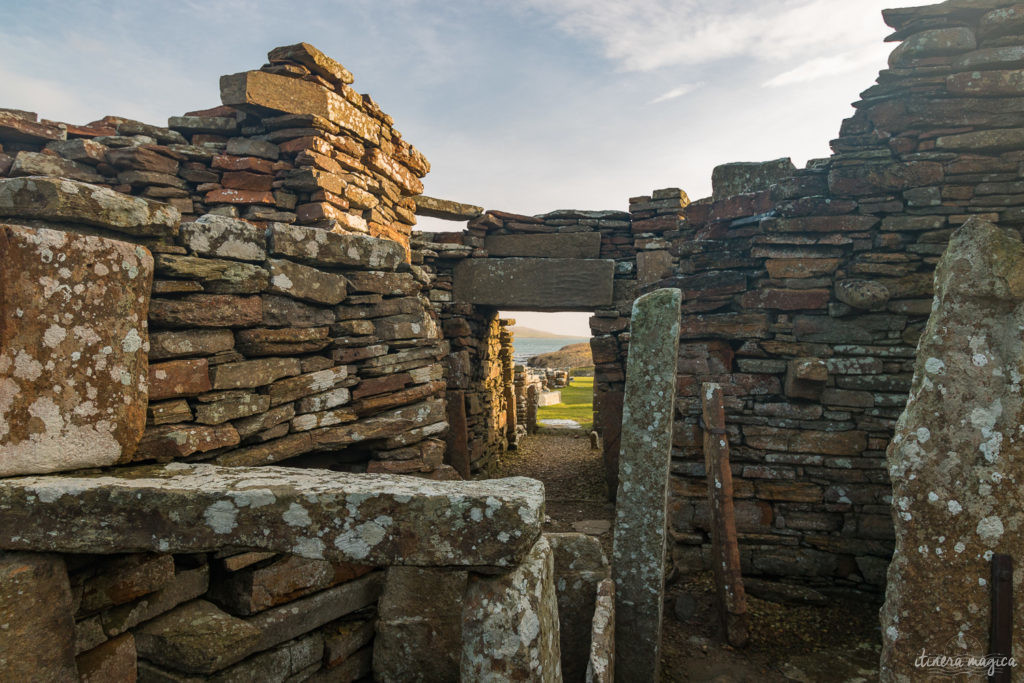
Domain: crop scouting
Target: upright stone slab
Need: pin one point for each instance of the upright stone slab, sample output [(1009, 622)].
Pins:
[(638, 554), (510, 623), (535, 284), (73, 343), (38, 631), (419, 628), (580, 568), (957, 458), (725, 550)]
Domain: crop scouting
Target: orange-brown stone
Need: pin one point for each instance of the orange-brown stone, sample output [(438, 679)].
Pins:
[(73, 343)]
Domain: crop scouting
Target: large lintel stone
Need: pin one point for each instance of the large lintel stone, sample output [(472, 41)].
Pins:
[(535, 284), (575, 245), (365, 518)]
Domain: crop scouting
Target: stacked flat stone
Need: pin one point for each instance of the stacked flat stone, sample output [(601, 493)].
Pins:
[(808, 291), (293, 143), (267, 341), (551, 242)]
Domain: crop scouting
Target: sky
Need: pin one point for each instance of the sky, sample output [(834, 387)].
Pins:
[(520, 105)]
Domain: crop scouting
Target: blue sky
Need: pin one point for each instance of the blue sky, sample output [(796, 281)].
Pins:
[(522, 105)]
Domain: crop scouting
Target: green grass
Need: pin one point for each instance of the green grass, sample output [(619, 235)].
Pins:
[(577, 404)]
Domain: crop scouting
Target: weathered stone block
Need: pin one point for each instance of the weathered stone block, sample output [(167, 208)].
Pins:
[(73, 345), (206, 310), (198, 508), (303, 282), (179, 378), (535, 284), (745, 177), (257, 588), (58, 199), (312, 58), (326, 248), (114, 660), (225, 237), (510, 629), (446, 209), (581, 245), (293, 96), (419, 628), (956, 457), (36, 609), (170, 344), (124, 579)]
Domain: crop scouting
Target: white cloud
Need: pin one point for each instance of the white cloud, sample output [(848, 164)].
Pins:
[(821, 67), (684, 89), (644, 35)]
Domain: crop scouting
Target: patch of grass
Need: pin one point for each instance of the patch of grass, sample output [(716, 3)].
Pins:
[(577, 404)]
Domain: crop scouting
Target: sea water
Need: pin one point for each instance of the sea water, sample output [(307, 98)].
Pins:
[(527, 347)]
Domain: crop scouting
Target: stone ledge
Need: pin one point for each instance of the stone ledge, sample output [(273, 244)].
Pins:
[(181, 508), (60, 199)]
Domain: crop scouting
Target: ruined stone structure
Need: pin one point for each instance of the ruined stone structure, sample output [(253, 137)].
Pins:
[(805, 293), (183, 306)]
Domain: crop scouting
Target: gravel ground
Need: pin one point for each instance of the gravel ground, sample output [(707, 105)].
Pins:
[(837, 642)]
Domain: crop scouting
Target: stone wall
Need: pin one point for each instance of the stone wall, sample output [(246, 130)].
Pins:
[(555, 243), (805, 292), (233, 289)]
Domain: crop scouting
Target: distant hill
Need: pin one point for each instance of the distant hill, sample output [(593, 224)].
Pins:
[(530, 333), (566, 358)]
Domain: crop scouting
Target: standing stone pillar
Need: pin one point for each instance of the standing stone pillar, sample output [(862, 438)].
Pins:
[(725, 549), (957, 461), (638, 564), (457, 447)]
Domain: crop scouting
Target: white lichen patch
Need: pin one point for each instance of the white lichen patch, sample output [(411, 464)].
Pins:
[(221, 516)]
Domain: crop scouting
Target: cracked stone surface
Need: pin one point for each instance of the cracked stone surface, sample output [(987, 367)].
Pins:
[(368, 519)]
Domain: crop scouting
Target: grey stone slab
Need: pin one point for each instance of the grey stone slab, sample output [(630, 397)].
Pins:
[(638, 554), (580, 567), (579, 245), (73, 366), (510, 630), (531, 284), (956, 460), (368, 519)]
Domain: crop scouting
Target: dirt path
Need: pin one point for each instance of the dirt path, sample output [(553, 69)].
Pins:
[(835, 642)]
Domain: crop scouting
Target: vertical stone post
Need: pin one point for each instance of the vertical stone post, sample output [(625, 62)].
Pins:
[(725, 550), (457, 451), (531, 409), (638, 564)]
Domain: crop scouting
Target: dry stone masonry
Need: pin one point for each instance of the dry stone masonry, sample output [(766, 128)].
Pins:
[(242, 288)]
